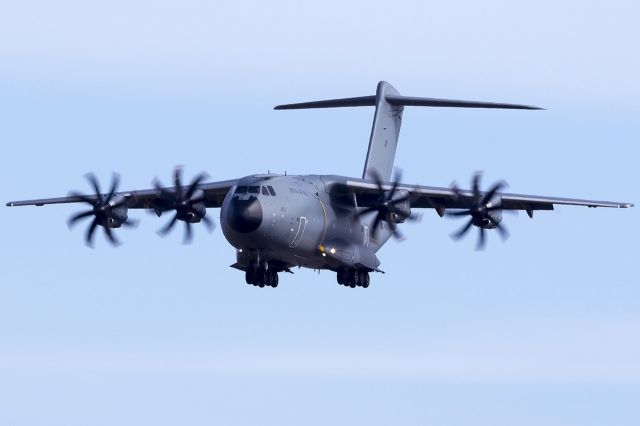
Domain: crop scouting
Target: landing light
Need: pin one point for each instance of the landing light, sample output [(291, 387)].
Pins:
[(333, 250)]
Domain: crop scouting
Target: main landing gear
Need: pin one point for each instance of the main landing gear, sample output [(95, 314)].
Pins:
[(353, 278), (262, 277)]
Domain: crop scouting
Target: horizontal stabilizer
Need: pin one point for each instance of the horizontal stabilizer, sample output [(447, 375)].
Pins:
[(400, 100), (387, 120), (451, 103), (333, 103)]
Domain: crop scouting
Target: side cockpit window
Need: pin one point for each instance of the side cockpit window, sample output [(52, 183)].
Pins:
[(271, 190), (264, 191)]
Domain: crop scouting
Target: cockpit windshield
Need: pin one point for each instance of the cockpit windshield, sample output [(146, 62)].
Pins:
[(243, 189), (254, 189)]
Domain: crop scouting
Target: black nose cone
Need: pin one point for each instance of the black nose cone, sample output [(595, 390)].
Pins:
[(245, 215)]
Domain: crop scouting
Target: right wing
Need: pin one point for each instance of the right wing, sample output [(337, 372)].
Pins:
[(440, 198)]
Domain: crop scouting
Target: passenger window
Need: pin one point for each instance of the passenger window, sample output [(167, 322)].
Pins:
[(271, 190), (241, 190), (264, 191), (254, 190)]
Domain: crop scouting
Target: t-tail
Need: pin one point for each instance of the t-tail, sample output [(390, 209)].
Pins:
[(388, 119)]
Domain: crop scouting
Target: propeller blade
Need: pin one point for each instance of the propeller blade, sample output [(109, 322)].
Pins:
[(376, 225), (177, 181), (90, 232), (115, 181), (502, 230), (396, 181), (82, 197), (365, 211), (394, 227), (78, 216), (194, 185), (482, 239), (96, 186), (399, 200), (112, 239), (188, 235), (476, 186), (165, 229), (210, 224), (495, 188), (460, 233), (455, 189), (164, 194), (457, 213)]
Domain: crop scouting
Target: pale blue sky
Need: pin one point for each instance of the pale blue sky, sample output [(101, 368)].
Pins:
[(544, 329)]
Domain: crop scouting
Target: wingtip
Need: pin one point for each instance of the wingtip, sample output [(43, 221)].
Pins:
[(9, 204)]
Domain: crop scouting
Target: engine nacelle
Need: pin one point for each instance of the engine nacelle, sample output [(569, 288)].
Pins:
[(404, 207), (116, 216), (484, 222)]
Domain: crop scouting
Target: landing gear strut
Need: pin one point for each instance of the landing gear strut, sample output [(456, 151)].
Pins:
[(262, 277), (353, 278)]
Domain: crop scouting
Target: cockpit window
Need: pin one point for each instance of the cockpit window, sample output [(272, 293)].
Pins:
[(241, 190), (254, 189), (264, 191), (271, 190)]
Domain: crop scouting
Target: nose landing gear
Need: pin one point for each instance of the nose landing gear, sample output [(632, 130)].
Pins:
[(262, 277), (353, 278)]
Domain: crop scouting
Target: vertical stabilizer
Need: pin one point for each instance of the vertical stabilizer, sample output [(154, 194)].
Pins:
[(387, 120), (384, 134)]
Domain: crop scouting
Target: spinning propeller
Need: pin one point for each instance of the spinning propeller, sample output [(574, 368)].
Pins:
[(480, 212), (108, 211), (387, 205), (188, 204)]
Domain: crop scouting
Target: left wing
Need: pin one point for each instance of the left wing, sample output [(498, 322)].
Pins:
[(440, 198), (214, 193)]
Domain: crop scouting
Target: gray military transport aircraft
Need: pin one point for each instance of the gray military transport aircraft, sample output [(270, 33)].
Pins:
[(338, 223)]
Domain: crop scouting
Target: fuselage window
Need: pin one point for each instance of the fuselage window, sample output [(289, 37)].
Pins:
[(271, 190), (241, 190), (264, 191), (254, 189)]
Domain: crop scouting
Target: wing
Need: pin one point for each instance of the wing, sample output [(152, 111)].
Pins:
[(214, 193), (440, 198)]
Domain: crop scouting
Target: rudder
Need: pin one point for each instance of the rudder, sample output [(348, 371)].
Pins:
[(384, 134)]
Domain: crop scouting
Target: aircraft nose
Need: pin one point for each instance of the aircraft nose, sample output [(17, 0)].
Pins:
[(245, 215)]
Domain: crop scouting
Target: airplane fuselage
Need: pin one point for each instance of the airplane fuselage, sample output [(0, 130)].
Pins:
[(298, 221)]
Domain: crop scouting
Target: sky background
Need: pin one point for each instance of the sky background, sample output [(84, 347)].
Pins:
[(543, 329)]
